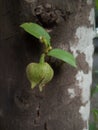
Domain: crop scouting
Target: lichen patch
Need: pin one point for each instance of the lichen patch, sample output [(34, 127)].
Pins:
[(85, 129), (81, 63), (91, 17), (71, 92), (84, 82), (84, 111), (85, 36), (83, 46), (89, 2)]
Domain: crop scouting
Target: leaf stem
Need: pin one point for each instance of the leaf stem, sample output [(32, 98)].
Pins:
[(48, 49), (42, 58), (44, 41)]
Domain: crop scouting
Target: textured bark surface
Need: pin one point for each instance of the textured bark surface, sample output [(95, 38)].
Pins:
[(58, 106)]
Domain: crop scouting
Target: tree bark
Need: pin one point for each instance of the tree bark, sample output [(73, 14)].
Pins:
[(64, 104)]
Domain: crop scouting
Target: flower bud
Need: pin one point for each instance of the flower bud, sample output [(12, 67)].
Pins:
[(39, 74)]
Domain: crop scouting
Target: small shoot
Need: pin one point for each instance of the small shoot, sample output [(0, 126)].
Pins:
[(44, 76)]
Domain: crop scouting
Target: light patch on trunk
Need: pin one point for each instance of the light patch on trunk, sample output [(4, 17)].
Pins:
[(85, 45), (89, 2), (85, 40), (84, 82), (85, 111), (92, 17), (85, 129), (71, 92)]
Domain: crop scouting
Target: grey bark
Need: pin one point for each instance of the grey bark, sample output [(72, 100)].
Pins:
[(20, 107)]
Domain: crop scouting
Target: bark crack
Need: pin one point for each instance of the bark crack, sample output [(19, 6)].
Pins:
[(45, 126), (37, 119)]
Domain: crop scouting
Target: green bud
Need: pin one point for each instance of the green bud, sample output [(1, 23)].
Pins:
[(39, 74)]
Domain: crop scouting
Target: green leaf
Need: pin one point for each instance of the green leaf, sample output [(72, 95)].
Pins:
[(95, 114), (96, 3), (37, 31), (92, 126), (96, 71), (94, 90), (63, 55)]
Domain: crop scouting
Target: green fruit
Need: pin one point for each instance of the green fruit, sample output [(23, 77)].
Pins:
[(39, 74)]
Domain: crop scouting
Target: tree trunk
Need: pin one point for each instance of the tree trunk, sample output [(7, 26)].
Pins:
[(64, 103)]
